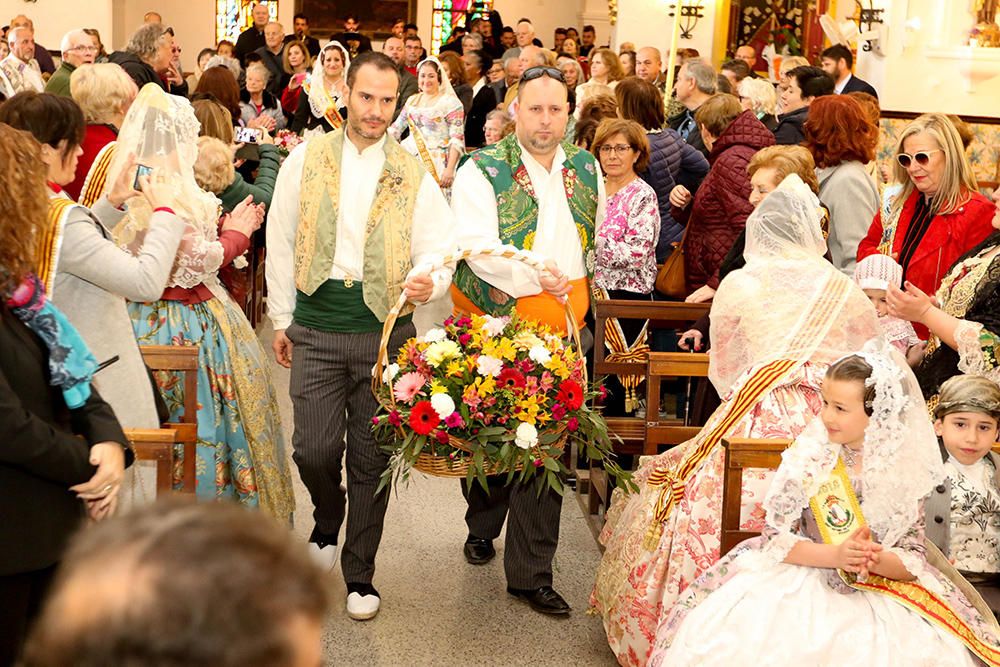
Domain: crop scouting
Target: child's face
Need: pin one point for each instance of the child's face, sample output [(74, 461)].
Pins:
[(843, 412), (877, 297), (967, 436)]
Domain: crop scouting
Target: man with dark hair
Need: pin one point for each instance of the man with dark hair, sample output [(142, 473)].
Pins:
[(394, 48), (748, 54), (410, 30), (121, 599), (805, 84), (454, 42), (507, 38), (557, 39), (588, 40), (351, 38), (559, 209), (837, 62), (735, 70), (301, 26), (252, 38), (484, 98), (343, 238), (413, 53)]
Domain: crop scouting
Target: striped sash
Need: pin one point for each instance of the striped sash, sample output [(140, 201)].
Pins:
[(621, 352), (50, 241), (97, 177), (672, 482), (425, 155)]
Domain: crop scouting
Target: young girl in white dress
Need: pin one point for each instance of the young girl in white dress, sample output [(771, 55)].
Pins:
[(855, 585)]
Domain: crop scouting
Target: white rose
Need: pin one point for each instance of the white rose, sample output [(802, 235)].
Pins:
[(487, 365), (390, 373), (434, 335), (494, 326), (539, 355), (443, 405), (526, 436)]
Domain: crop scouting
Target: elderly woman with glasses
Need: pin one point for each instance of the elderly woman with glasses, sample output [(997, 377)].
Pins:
[(935, 214)]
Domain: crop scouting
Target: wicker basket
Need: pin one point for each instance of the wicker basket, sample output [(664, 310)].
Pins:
[(445, 466)]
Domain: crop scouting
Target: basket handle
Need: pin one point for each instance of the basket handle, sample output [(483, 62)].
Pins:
[(506, 252)]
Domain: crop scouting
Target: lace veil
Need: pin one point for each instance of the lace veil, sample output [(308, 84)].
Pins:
[(446, 88), (788, 302), (161, 132), (901, 463), (319, 98)]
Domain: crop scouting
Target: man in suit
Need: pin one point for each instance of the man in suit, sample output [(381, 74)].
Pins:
[(748, 54), (837, 62), (649, 67), (352, 40), (252, 38), (393, 47), (301, 25), (484, 99), (271, 54), (696, 82)]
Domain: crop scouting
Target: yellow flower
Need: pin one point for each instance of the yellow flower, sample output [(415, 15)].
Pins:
[(558, 367), (454, 369), (438, 388), (525, 340), (486, 385), (501, 348), (440, 351)]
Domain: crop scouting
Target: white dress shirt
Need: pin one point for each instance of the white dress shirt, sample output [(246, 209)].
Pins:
[(838, 88), (556, 236), (432, 235)]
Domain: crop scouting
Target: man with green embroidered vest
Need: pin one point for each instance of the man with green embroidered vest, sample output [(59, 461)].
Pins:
[(533, 191), (352, 215)]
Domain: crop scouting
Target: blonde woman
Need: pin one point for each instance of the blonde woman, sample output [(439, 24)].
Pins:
[(104, 93), (758, 96), (324, 105), (605, 73), (297, 62), (215, 172)]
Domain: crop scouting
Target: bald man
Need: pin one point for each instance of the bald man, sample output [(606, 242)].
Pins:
[(748, 54), (530, 56), (649, 66)]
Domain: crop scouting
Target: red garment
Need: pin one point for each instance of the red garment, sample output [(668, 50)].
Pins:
[(720, 208), (95, 138), (290, 99), (234, 244), (948, 237)]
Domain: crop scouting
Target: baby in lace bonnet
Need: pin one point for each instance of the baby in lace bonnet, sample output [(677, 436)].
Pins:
[(873, 275)]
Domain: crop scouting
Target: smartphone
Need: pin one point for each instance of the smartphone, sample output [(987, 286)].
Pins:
[(249, 135), (141, 170)]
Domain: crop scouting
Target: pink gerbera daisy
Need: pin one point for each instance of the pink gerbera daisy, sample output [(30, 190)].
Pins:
[(407, 386)]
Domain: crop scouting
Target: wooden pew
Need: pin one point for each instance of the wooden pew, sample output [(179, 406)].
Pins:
[(157, 445), (743, 453), (663, 365)]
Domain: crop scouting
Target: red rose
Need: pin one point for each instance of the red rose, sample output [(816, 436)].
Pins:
[(442, 437), (538, 463), (375, 421), (424, 418), (464, 339), (394, 418), (573, 424), (510, 379), (558, 411), (570, 395)]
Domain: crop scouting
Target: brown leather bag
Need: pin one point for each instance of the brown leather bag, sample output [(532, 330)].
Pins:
[(670, 277)]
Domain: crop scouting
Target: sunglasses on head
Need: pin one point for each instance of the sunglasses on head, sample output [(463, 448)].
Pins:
[(540, 71), (921, 158)]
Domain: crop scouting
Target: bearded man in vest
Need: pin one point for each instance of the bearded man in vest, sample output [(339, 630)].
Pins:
[(352, 215), (536, 192)]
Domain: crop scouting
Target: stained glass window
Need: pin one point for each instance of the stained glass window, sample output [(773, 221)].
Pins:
[(449, 14), (233, 17)]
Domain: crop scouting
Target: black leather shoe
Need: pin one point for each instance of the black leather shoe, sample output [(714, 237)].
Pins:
[(479, 551), (544, 600)]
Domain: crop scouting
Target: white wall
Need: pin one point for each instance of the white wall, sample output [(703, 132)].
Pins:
[(54, 18)]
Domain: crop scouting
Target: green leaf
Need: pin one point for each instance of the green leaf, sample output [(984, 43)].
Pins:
[(551, 464)]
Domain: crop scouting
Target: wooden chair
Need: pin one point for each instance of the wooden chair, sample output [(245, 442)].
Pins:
[(157, 445), (743, 453), (183, 359), (660, 366)]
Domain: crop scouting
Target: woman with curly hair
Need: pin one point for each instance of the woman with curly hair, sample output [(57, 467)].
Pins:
[(842, 140), (63, 453)]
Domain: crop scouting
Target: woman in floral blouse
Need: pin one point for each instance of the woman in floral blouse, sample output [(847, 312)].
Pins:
[(626, 242)]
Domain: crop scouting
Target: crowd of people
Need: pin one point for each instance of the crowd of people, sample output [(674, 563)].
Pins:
[(849, 300)]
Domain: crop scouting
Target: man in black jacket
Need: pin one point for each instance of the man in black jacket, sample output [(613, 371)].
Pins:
[(351, 38), (147, 59), (272, 54), (252, 38), (484, 99), (301, 25), (837, 62)]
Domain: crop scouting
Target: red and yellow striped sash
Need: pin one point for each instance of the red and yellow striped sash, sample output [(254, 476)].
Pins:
[(97, 177), (673, 481), (621, 352), (49, 242), (425, 155)]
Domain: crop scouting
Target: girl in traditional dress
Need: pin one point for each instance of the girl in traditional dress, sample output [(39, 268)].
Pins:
[(324, 106), (240, 446), (843, 573), (436, 121), (777, 324)]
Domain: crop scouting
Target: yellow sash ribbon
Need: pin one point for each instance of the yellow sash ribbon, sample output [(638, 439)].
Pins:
[(838, 515), (425, 155), (50, 241), (97, 177), (622, 352)]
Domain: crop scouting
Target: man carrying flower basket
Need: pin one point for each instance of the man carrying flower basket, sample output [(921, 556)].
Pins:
[(352, 215), (536, 193)]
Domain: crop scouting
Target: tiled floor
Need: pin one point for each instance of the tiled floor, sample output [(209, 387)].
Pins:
[(439, 610)]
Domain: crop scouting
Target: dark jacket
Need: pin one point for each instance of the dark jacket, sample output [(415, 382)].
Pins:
[(45, 450), (142, 72), (407, 88), (694, 137), (464, 93), (249, 41), (672, 162), (279, 77), (789, 130), (305, 120), (720, 208), (354, 42), (484, 102), (856, 85)]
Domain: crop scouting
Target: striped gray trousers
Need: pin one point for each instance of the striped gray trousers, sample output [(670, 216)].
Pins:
[(331, 395)]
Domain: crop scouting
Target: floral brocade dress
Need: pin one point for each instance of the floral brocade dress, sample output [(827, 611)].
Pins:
[(441, 125)]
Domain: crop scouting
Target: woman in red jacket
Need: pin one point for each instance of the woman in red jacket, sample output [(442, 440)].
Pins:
[(722, 204), (938, 214)]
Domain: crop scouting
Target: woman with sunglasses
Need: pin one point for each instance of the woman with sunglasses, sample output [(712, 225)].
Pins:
[(938, 213)]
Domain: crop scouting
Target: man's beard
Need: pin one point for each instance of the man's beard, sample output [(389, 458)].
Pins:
[(545, 145), (360, 129)]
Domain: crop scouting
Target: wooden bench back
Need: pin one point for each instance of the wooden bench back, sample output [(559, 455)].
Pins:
[(663, 365), (181, 359), (743, 453)]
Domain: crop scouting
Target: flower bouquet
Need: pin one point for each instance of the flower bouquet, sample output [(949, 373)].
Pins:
[(486, 395), (286, 141)]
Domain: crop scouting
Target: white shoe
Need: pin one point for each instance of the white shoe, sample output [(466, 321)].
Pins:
[(362, 607), (325, 557)]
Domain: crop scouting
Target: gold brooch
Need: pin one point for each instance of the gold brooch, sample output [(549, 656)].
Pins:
[(348, 282)]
